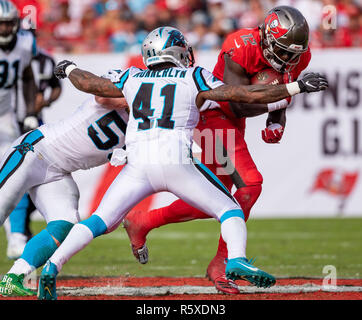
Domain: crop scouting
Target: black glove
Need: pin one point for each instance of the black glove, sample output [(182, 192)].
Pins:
[(313, 82), (59, 70)]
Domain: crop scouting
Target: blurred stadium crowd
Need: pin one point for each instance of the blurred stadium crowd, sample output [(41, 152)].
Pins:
[(83, 26)]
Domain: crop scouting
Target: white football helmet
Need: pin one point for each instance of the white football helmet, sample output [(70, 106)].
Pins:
[(9, 14), (167, 44)]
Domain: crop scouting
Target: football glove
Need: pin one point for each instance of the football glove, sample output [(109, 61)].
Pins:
[(59, 70), (30, 123), (273, 133), (312, 82)]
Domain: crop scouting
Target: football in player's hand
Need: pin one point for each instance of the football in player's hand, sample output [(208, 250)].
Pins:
[(267, 76)]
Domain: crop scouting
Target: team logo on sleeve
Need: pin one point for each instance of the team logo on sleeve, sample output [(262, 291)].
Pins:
[(24, 147), (272, 25)]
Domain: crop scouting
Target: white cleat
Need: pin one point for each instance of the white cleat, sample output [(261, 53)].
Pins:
[(16, 245)]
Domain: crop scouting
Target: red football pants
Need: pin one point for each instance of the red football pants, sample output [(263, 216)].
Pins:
[(225, 147)]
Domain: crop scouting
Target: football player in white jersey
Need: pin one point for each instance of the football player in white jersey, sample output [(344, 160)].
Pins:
[(16, 51), (40, 163), (164, 102), (48, 91)]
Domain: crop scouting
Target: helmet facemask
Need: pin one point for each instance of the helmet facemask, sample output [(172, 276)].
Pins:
[(280, 58)]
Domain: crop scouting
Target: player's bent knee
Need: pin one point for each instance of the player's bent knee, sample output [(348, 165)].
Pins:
[(253, 178), (59, 229), (95, 224), (232, 213)]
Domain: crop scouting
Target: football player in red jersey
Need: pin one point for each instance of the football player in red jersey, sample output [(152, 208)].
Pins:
[(281, 42)]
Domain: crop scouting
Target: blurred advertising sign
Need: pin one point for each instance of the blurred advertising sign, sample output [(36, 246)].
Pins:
[(316, 169)]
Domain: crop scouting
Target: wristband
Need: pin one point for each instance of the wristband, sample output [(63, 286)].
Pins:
[(293, 88), (282, 104), (69, 69), (275, 126)]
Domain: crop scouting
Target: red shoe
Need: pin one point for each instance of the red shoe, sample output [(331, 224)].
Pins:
[(216, 273), (137, 236), (224, 285)]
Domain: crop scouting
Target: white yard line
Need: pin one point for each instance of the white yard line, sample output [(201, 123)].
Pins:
[(167, 290)]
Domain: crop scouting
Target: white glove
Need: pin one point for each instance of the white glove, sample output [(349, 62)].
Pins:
[(30, 123), (119, 157)]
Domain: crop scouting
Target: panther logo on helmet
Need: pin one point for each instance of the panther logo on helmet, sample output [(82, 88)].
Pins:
[(167, 44), (175, 38)]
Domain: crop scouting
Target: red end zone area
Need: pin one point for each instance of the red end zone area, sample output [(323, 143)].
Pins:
[(163, 288)]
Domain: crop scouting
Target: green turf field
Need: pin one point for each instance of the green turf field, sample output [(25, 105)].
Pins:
[(283, 247)]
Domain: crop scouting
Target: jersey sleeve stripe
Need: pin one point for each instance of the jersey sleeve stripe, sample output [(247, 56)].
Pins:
[(16, 158), (120, 84), (200, 80)]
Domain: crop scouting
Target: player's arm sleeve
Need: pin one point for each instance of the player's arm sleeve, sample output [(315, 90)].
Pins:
[(236, 54), (118, 77), (115, 75), (239, 56), (204, 81)]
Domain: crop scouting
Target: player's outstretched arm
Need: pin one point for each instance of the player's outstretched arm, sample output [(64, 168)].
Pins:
[(311, 82), (235, 74), (86, 81)]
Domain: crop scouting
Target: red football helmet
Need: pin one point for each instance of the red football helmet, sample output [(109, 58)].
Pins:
[(285, 36)]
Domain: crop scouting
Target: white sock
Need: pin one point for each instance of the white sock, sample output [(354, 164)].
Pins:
[(234, 233), (77, 239), (21, 266)]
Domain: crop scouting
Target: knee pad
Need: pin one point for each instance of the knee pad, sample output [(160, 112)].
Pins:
[(95, 224)]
